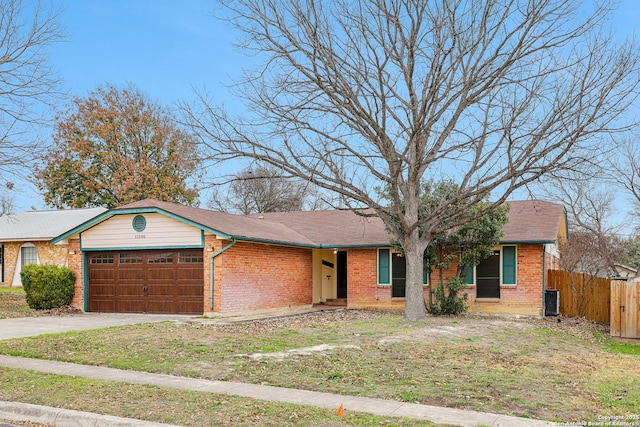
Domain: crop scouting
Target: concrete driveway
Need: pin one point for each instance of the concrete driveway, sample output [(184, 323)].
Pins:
[(31, 326)]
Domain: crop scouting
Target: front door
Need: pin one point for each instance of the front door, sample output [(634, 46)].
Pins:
[(488, 277), (398, 276), (342, 274)]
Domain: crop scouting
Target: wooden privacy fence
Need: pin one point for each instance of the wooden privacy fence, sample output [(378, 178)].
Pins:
[(625, 309), (582, 295)]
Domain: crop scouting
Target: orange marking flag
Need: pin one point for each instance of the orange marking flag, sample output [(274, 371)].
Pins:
[(340, 410)]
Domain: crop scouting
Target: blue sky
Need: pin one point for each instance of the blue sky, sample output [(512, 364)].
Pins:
[(162, 46), (166, 48)]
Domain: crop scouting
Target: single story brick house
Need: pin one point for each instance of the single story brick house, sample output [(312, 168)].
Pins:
[(25, 239), (159, 257)]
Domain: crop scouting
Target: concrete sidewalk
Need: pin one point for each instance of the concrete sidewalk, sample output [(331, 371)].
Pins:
[(276, 394)]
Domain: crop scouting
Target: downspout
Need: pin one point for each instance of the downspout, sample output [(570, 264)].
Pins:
[(544, 277), (229, 246)]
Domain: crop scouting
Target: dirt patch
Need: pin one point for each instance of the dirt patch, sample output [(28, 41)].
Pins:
[(304, 351)]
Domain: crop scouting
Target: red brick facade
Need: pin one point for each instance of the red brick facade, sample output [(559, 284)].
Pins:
[(525, 297), (252, 276), (74, 261)]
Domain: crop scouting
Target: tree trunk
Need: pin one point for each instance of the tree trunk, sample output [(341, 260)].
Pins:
[(414, 309)]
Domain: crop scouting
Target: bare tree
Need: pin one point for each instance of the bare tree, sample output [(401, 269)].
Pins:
[(28, 85), (264, 189), (593, 246), (624, 171), (588, 257), (371, 98)]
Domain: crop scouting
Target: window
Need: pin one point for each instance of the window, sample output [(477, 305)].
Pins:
[(102, 259), (508, 267), (130, 259), (509, 263), (468, 275), (190, 257), (28, 255), (162, 258), (385, 267)]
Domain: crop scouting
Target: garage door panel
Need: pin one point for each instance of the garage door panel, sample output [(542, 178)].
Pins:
[(161, 273), (159, 306), (190, 274), (189, 290), (102, 273), (98, 290), (155, 290), (188, 307), (130, 305), (102, 305), (131, 274), (126, 290), (150, 281)]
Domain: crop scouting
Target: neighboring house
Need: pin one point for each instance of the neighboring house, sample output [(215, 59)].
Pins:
[(25, 239), (159, 257), (624, 272)]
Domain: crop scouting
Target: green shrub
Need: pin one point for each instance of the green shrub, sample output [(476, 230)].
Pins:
[(447, 301), (47, 286)]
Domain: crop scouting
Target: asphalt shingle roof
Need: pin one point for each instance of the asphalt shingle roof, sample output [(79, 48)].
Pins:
[(534, 221), (529, 221)]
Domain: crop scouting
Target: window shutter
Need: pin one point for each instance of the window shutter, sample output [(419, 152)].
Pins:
[(384, 264), (425, 272), (509, 265)]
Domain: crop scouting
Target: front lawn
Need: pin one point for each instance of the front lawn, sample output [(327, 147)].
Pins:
[(543, 369)]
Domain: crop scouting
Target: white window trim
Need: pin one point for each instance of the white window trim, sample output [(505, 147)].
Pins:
[(17, 281)]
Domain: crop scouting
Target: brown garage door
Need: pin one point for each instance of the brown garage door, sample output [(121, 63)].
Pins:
[(152, 281)]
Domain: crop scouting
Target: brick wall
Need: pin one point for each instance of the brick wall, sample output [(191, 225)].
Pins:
[(363, 290), (11, 253), (47, 254), (252, 276), (523, 298), (74, 262)]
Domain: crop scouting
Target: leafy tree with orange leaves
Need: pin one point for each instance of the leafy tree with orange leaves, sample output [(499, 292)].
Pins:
[(117, 147)]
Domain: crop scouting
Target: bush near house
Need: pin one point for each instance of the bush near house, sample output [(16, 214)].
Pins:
[(449, 302), (47, 286)]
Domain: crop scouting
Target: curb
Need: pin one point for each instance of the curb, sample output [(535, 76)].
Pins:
[(13, 411)]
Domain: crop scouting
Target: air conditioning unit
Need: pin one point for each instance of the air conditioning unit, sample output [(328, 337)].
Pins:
[(551, 302)]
